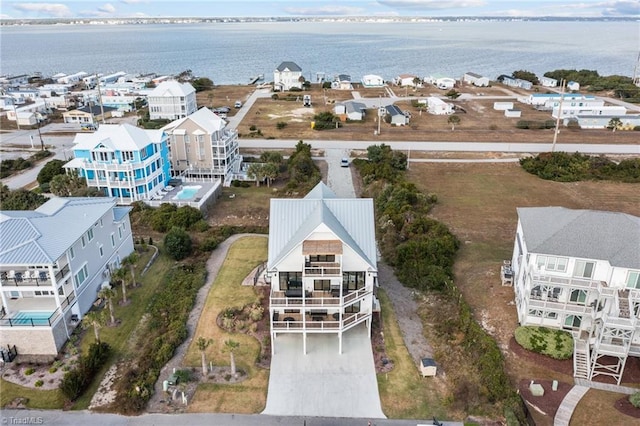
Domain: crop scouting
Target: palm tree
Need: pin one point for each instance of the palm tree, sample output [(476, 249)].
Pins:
[(108, 294), (203, 344), (97, 319), (131, 260), (453, 120), (121, 275), (231, 346)]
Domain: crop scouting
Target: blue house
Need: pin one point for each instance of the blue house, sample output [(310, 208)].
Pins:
[(122, 161)]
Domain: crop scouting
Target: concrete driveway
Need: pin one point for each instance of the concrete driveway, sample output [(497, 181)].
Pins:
[(324, 382), (339, 178)]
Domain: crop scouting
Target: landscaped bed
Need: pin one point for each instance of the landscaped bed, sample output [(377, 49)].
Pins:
[(557, 344)]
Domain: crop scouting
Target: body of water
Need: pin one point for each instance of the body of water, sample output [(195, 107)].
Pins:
[(230, 53)]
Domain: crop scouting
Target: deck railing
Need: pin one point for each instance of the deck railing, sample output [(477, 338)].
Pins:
[(31, 322), (26, 278)]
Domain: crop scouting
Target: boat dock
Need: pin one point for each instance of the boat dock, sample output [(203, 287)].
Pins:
[(254, 80)]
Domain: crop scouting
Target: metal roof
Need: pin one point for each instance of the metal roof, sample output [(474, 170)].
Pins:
[(42, 236), (117, 137), (172, 88), (351, 220), (203, 118), (587, 234)]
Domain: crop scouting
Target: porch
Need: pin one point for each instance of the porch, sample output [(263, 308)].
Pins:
[(322, 298), (29, 277)]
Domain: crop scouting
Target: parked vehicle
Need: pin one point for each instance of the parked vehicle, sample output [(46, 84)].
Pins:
[(238, 104), (344, 162)]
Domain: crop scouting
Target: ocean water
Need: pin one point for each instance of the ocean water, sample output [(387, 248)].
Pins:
[(230, 53)]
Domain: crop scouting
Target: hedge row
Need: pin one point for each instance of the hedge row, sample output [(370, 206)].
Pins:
[(565, 167), (75, 381)]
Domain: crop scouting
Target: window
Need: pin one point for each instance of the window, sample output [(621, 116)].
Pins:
[(90, 234), (322, 258), (552, 263), (43, 293), (633, 279), (352, 309), (584, 269), (101, 250), (552, 315), (535, 312), (84, 243), (322, 285), (120, 232), (290, 280), (113, 240), (186, 139), (353, 280), (81, 276), (578, 296), (72, 254), (572, 321), (127, 155), (101, 224)]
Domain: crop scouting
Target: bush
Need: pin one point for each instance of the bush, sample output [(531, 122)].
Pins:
[(39, 383), (281, 125), (564, 167), (76, 380), (634, 399), (253, 128), (29, 371), (53, 370), (557, 344), (178, 243), (184, 376)]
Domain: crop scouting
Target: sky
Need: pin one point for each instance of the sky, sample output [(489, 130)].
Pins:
[(324, 8)]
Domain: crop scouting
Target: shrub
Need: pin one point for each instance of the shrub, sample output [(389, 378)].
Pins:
[(178, 243), (253, 128), (76, 380), (29, 371), (53, 370), (557, 344), (274, 96), (564, 167), (39, 383), (281, 125), (184, 376), (634, 399)]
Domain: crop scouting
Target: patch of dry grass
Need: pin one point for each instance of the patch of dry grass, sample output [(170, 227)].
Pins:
[(227, 291), (596, 407), (478, 202)]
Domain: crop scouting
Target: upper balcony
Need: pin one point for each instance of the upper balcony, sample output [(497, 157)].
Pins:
[(31, 277), (579, 283), (322, 269), (316, 299)]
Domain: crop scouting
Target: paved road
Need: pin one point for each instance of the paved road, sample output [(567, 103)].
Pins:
[(532, 148), (64, 418), (234, 121)]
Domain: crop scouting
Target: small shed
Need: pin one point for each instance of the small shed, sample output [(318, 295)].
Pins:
[(428, 367), (502, 106), (513, 113)]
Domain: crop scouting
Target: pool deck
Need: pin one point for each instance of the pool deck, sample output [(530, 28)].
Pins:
[(207, 190)]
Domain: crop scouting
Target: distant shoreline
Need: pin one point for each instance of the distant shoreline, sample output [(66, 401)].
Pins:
[(376, 19)]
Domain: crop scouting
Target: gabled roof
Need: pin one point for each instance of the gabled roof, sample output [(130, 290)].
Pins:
[(351, 220), (117, 137), (96, 109), (474, 75), (289, 66), (588, 234), (203, 118), (172, 88), (353, 106), (393, 110), (42, 236)]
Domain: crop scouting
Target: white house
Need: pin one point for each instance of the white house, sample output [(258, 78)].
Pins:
[(573, 86), (53, 262), (202, 147), (476, 79), (443, 83), (627, 121), (322, 265), (550, 100), (437, 106), (372, 80), (407, 80), (172, 100), (548, 82), (396, 116), (350, 110), (122, 161), (569, 110), (72, 78), (287, 76), (342, 82), (579, 270)]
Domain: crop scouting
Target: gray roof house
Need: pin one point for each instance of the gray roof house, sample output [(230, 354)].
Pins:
[(579, 270), (396, 116), (53, 261), (322, 253), (286, 76), (350, 110)]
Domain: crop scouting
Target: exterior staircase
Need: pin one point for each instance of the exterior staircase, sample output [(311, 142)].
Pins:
[(623, 303), (580, 359)]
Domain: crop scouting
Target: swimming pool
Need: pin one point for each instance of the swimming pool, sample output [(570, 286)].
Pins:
[(31, 318), (187, 192)]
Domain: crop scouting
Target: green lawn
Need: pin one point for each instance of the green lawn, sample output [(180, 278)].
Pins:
[(404, 393), (227, 291), (557, 344)]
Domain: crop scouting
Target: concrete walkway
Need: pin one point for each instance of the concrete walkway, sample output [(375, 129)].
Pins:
[(568, 405), (324, 382)]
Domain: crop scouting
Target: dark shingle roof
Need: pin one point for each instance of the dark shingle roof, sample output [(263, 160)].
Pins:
[(288, 65)]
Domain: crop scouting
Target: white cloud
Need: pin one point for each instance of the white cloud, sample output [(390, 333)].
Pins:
[(107, 8), (433, 4), (324, 10), (134, 1), (55, 10)]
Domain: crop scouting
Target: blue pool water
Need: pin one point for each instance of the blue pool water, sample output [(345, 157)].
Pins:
[(31, 318), (187, 193)]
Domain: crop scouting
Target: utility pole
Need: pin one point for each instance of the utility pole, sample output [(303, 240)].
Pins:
[(557, 129), (100, 98)]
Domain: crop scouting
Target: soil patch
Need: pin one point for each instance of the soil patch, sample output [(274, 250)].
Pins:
[(547, 404), (624, 406), (560, 366)]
